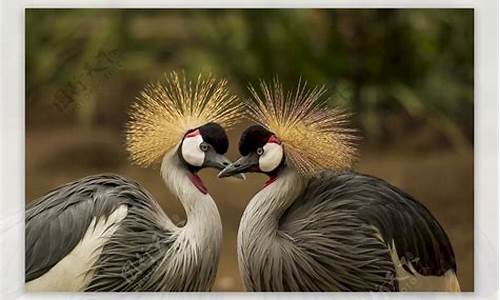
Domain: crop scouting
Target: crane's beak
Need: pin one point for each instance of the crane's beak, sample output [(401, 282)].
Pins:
[(246, 163), (219, 162)]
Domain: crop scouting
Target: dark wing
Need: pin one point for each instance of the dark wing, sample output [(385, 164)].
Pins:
[(333, 249), (417, 235), (358, 201), (56, 222)]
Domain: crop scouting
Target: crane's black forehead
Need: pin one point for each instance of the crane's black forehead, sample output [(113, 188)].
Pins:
[(215, 135), (252, 138)]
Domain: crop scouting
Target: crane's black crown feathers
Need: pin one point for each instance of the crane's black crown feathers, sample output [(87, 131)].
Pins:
[(215, 135), (252, 138)]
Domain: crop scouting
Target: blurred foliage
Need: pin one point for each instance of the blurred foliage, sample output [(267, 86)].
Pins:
[(397, 70)]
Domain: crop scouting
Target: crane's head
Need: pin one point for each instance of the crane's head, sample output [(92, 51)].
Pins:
[(187, 116), (261, 152), (204, 147), (298, 129)]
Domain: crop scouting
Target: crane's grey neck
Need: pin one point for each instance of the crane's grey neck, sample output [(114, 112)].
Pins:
[(201, 211), (268, 205), (259, 226)]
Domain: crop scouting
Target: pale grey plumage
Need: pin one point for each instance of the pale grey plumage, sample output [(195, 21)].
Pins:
[(106, 233), (147, 252), (333, 232), (65, 213), (314, 227)]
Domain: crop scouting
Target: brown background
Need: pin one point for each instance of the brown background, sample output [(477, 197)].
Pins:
[(405, 74)]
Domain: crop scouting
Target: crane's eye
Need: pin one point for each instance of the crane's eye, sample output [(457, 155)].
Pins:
[(204, 147), (260, 151)]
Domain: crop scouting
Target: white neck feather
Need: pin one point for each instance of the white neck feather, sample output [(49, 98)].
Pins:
[(203, 219), (268, 205)]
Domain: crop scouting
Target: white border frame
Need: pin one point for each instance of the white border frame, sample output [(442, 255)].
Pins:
[(486, 163)]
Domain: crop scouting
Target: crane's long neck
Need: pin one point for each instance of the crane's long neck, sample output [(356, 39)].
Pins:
[(203, 219), (265, 210), (259, 228), (184, 258)]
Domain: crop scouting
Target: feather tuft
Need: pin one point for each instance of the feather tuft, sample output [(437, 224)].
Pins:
[(315, 135), (169, 108)]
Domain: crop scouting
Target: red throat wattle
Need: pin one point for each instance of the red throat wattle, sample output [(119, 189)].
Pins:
[(198, 183)]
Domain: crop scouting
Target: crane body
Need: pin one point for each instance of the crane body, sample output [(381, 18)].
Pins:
[(341, 232), (116, 237), (316, 225), (107, 233)]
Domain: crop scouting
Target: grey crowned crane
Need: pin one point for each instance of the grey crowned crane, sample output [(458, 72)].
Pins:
[(107, 233), (315, 225)]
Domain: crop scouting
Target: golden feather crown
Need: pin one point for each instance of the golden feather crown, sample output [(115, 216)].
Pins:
[(314, 135), (169, 108)]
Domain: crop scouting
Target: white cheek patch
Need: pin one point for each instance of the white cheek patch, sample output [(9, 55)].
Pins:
[(191, 151), (273, 154)]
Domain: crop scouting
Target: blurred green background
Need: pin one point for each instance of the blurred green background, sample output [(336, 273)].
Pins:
[(407, 76)]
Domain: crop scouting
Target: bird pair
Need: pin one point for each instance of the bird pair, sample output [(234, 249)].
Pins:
[(314, 226)]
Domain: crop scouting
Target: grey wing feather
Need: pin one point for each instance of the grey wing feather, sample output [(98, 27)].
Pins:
[(133, 258), (334, 224), (332, 249), (417, 235), (56, 222)]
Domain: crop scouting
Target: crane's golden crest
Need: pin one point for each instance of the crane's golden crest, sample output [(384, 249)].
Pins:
[(166, 110), (315, 136)]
